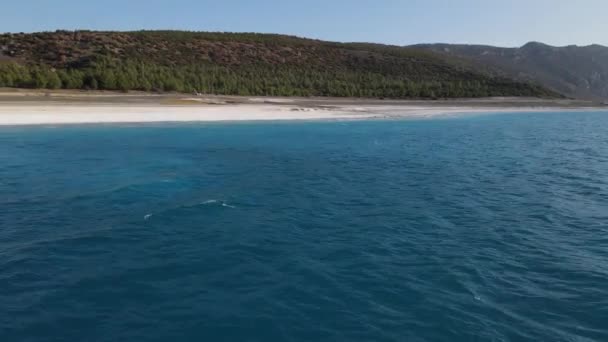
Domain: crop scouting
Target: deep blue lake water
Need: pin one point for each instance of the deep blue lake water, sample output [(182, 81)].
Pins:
[(478, 228)]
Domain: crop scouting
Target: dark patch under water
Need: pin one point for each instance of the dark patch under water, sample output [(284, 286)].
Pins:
[(488, 228)]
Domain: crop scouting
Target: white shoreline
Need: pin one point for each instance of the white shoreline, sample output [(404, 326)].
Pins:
[(13, 114)]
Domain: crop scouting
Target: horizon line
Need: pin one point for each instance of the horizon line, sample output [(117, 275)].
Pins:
[(302, 37)]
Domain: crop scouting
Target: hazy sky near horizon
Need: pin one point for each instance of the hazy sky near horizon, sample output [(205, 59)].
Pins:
[(400, 22)]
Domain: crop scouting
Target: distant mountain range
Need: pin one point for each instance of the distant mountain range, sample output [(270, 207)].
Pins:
[(575, 71), (269, 64)]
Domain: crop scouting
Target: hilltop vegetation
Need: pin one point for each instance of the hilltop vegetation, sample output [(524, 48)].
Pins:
[(239, 64)]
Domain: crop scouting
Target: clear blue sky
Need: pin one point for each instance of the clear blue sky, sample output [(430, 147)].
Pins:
[(401, 22)]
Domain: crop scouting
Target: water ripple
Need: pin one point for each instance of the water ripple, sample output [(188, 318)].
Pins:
[(476, 228)]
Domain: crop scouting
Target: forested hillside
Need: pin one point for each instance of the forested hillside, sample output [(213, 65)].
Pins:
[(239, 64)]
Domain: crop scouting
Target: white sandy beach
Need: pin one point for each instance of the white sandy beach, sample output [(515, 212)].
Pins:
[(40, 107), (68, 113), (25, 114)]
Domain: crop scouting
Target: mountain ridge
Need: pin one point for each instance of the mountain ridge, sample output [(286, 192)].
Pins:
[(572, 70)]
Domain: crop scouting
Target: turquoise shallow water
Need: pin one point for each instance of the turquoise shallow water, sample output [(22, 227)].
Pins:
[(486, 228)]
